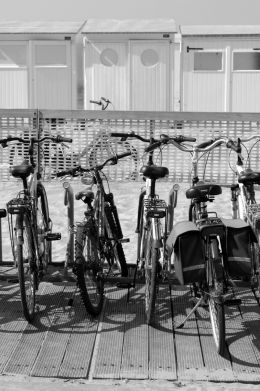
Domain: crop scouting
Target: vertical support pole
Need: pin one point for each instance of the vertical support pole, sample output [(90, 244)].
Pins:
[(69, 202), (2, 214), (1, 253)]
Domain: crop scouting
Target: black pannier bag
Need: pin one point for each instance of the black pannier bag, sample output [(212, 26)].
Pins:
[(185, 245), (237, 249)]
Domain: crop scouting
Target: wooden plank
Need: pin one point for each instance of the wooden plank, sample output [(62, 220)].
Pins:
[(56, 336), (12, 323), (26, 352), (250, 311), (242, 352), (162, 361), (136, 341), (190, 363), (218, 368), (79, 350), (108, 350)]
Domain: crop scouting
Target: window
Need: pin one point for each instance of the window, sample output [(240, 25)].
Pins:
[(149, 57), (246, 61), (13, 55), (207, 61), (50, 55), (109, 57)]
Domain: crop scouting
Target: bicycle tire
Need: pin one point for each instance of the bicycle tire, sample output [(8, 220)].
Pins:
[(43, 227), (216, 304), (87, 266), (26, 254), (113, 245), (151, 259)]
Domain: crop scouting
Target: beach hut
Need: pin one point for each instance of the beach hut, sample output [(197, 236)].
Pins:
[(220, 68), (131, 62), (40, 64)]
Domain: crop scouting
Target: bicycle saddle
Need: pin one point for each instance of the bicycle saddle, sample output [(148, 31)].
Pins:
[(154, 172), (203, 189), (249, 176), (22, 171)]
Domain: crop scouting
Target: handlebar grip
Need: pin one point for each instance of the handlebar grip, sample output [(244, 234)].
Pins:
[(122, 155), (63, 173), (96, 102), (205, 144), (119, 134), (61, 139), (188, 139)]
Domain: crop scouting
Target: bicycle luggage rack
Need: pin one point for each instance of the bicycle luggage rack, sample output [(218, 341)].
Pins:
[(17, 205), (155, 208)]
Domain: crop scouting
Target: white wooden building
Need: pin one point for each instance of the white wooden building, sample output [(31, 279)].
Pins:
[(220, 68), (131, 62), (40, 64), (138, 64)]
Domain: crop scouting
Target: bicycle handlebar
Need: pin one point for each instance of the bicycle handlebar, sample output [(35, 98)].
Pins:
[(5, 141), (166, 139), (57, 139), (77, 170), (99, 102)]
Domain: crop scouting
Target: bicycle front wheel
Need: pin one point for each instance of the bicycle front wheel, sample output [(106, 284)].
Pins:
[(114, 249), (151, 263), (26, 261), (88, 266), (43, 227)]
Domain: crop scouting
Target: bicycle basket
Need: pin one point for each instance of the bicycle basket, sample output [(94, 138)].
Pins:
[(17, 206)]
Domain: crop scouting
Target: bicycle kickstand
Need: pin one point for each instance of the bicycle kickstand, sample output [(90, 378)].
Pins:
[(180, 326)]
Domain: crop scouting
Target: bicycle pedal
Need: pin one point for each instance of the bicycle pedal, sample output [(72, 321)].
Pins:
[(50, 236), (233, 302)]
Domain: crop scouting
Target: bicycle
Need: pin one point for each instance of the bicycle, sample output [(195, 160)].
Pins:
[(197, 248), (153, 223), (98, 238), (246, 208), (30, 225)]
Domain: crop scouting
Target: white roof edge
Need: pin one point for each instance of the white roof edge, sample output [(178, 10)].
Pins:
[(130, 26), (41, 27), (220, 30)]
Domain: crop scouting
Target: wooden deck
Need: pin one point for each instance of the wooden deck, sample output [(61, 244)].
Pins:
[(64, 342)]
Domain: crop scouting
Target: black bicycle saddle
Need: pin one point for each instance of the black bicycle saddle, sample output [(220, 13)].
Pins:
[(22, 171), (154, 172), (203, 189), (249, 176)]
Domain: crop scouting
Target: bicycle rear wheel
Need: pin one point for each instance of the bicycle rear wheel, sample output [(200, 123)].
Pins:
[(216, 305), (151, 262), (88, 265), (26, 260)]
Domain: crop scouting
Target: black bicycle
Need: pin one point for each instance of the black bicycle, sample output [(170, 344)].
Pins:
[(30, 224), (99, 252)]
